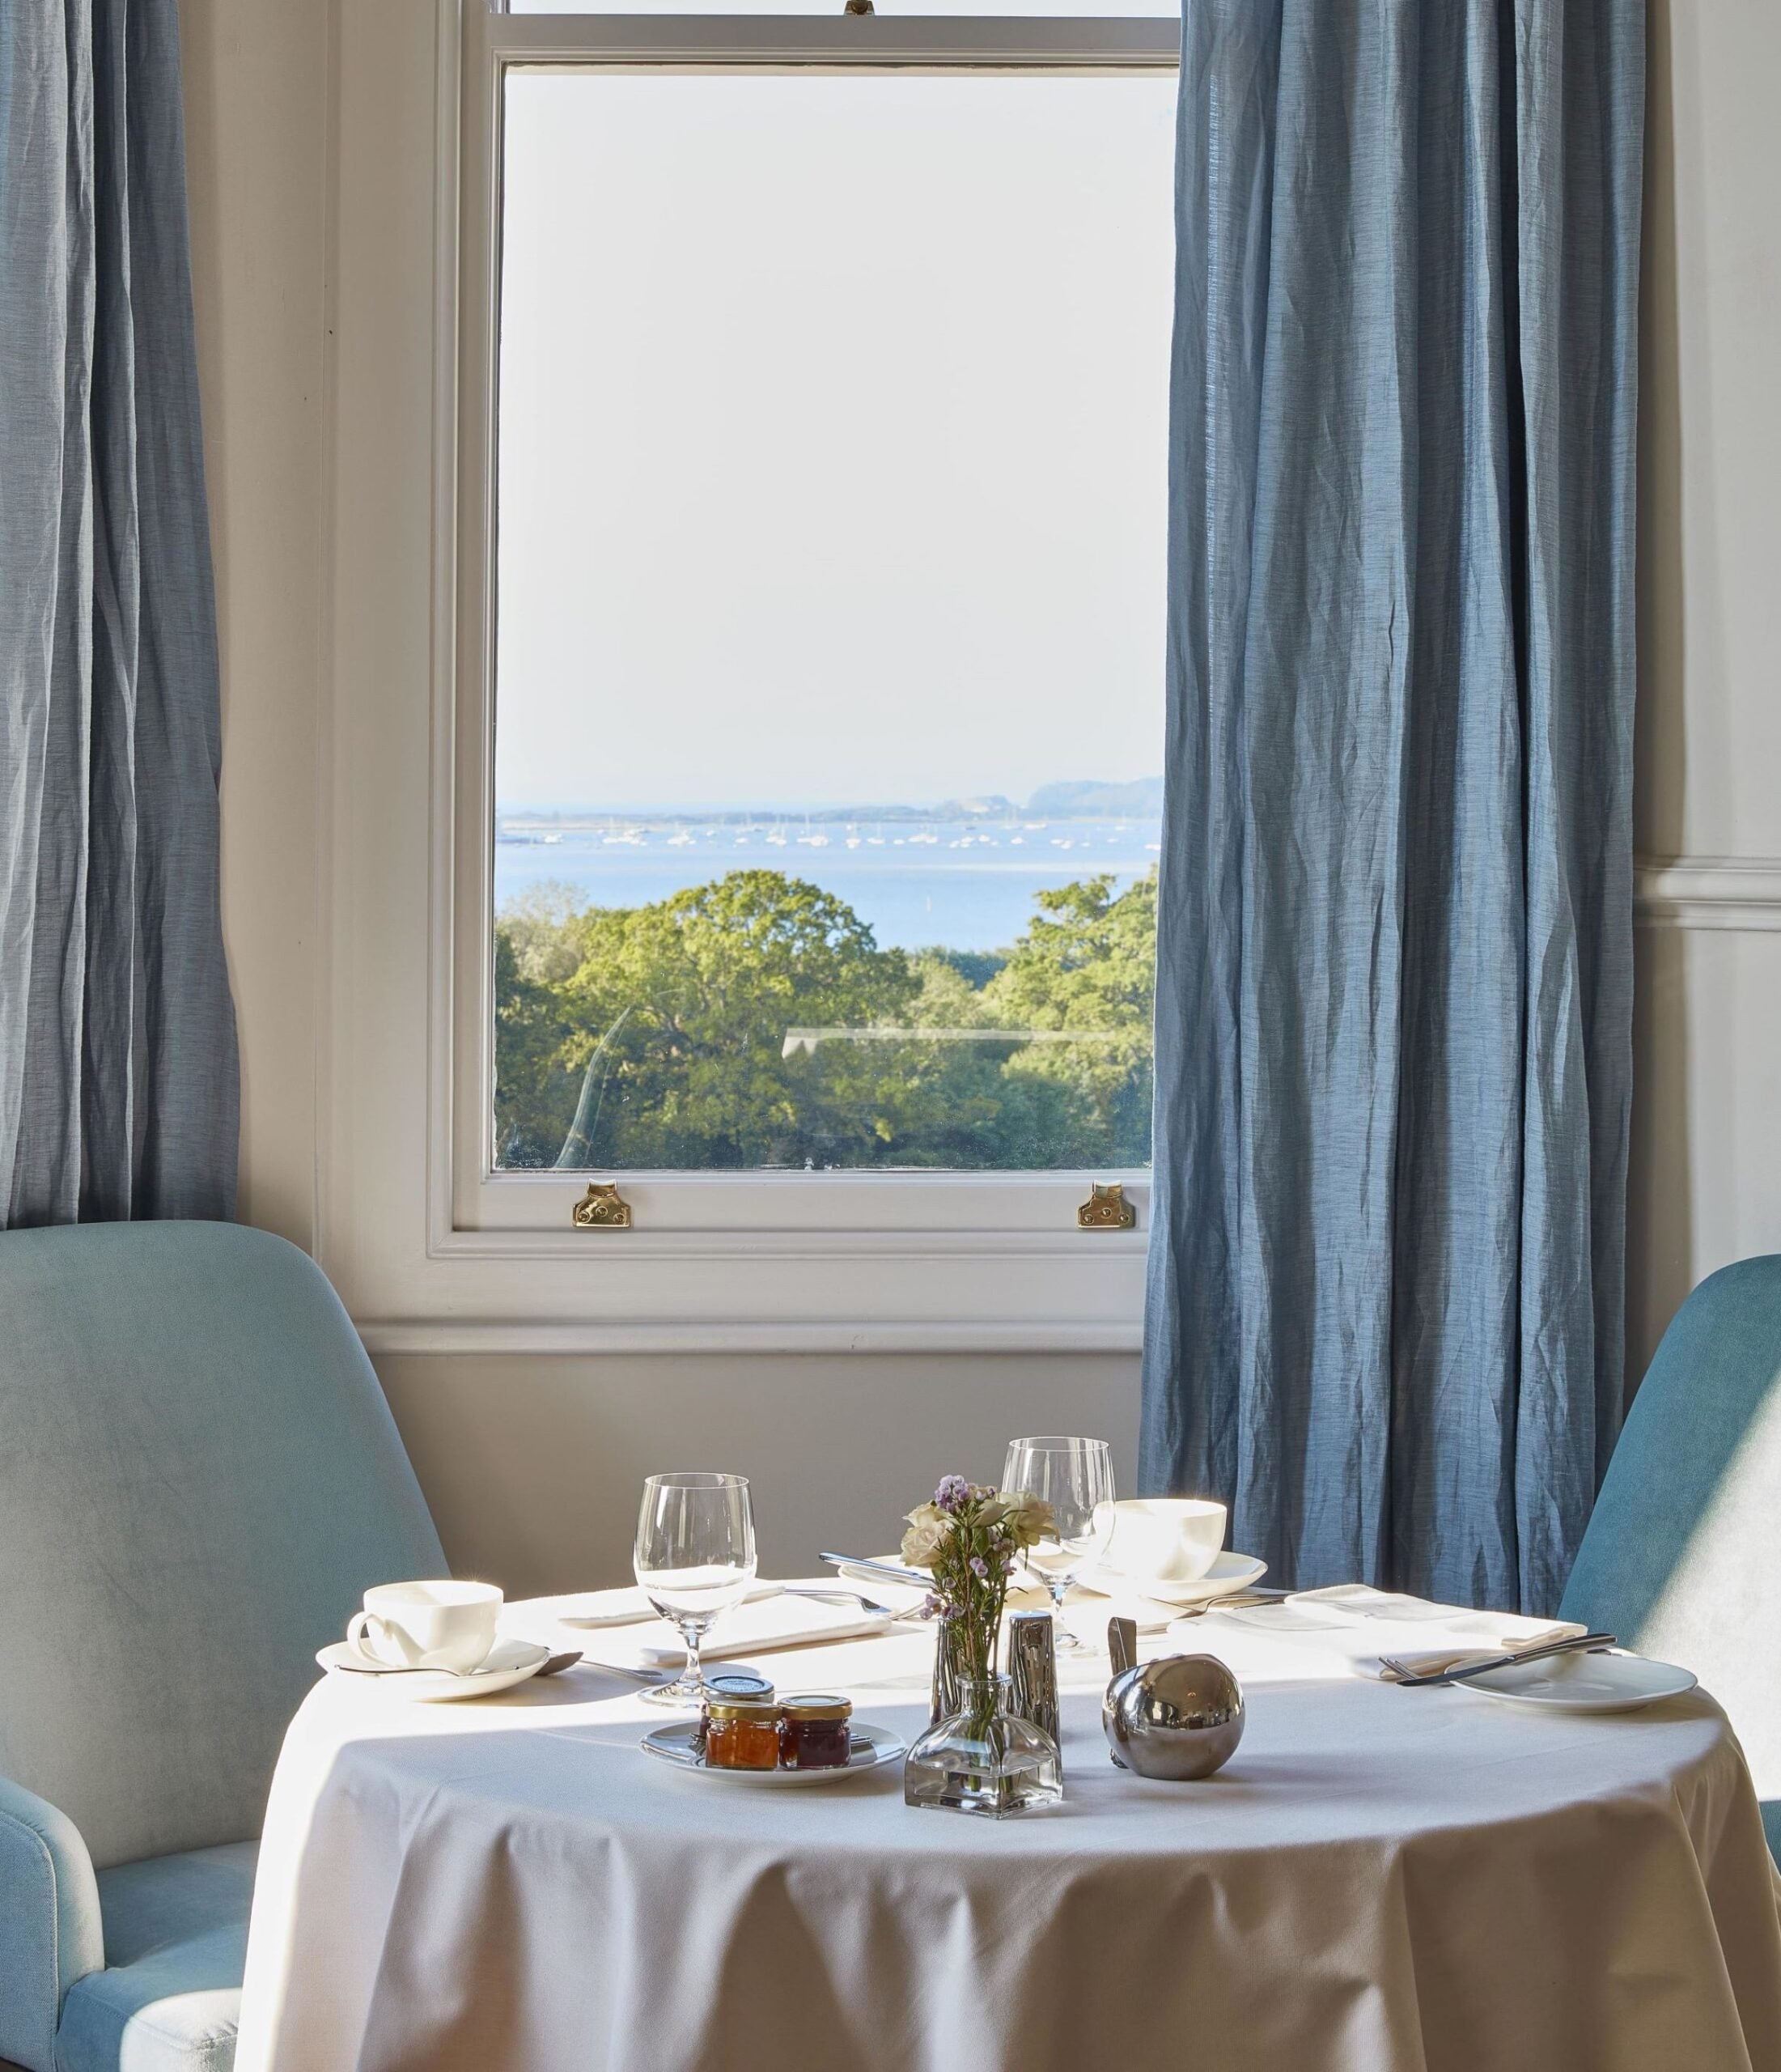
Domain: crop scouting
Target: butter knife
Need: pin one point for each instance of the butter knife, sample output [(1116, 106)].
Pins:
[(1483, 1665)]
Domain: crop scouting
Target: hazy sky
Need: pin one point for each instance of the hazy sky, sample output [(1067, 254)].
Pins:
[(833, 436)]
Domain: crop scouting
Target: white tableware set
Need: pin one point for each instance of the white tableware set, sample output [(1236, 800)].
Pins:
[(1171, 1549), (438, 1639)]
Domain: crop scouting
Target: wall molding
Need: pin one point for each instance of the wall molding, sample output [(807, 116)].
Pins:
[(1740, 893), (480, 1337)]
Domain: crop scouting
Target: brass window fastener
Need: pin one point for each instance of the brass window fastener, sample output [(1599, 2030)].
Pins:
[(602, 1208), (1107, 1208)]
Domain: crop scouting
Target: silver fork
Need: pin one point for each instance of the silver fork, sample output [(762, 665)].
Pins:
[(849, 1597), (1575, 1643)]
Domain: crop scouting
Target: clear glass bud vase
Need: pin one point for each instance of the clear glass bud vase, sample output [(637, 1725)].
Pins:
[(984, 1758)]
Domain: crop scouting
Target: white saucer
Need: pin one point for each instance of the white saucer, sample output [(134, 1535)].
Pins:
[(1229, 1573), (508, 1662), (1583, 1683), (673, 1744)]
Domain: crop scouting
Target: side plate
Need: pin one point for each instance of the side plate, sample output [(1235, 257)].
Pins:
[(673, 1744)]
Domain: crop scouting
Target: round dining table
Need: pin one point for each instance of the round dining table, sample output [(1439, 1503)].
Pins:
[(1381, 1879)]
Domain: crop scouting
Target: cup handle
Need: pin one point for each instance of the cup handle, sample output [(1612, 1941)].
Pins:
[(366, 1634)]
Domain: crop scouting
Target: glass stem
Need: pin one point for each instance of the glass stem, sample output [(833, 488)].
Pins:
[(693, 1632)]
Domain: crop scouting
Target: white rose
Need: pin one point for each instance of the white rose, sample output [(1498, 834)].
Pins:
[(929, 1529)]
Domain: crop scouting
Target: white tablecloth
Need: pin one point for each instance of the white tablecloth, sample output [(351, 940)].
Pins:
[(1381, 1880)]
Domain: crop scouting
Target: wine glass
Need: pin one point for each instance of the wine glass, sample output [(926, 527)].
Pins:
[(694, 1559), (1075, 1478)]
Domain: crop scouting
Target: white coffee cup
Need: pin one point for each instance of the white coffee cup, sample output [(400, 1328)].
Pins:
[(427, 1625), (1166, 1539)]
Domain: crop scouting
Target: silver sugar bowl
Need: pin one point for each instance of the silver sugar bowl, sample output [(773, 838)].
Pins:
[(1179, 1716)]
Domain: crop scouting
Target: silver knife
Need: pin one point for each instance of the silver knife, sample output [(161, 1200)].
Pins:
[(1410, 1680), (918, 1578)]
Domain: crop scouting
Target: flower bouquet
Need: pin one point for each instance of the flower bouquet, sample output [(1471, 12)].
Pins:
[(983, 1757)]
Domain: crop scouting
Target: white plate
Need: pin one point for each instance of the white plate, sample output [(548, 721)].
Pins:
[(509, 1662), (1584, 1683), (1229, 1573), (673, 1744)]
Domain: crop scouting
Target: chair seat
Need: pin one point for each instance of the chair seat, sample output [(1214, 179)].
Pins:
[(169, 1998)]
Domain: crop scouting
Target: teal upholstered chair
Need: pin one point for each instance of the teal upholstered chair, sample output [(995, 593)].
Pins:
[(198, 1478), (1682, 1558)]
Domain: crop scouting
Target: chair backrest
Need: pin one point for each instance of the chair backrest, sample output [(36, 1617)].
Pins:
[(1682, 1556), (199, 1477)]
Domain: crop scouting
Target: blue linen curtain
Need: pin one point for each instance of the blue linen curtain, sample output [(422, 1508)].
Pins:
[(1385, 1318), (118, 1086)]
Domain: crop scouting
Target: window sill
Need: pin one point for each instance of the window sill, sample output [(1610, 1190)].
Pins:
[(482, 1338)]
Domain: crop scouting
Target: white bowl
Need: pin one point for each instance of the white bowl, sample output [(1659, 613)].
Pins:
[(1165, 1539)]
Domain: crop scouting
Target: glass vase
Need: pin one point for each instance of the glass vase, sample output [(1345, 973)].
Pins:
[(984, 1758)]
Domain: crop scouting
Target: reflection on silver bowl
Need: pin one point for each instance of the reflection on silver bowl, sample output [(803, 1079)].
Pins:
[(1179, 1716)]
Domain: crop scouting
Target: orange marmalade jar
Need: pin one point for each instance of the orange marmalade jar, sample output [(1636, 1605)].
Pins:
[(741, 1733)]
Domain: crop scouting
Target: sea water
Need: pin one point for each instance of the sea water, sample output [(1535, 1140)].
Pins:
[(940, 884)]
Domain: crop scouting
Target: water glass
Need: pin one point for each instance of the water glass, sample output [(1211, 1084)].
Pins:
[(694, 1559), (1075, 1478)]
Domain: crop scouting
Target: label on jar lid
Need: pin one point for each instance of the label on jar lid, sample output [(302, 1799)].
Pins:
[(738, 1684)]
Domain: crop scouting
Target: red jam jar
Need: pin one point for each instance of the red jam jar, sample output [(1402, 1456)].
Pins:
[(814, 1733), (741, 1733)]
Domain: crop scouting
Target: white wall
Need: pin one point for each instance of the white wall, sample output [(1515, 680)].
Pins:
[(531, 1462), (1705, 1178), (256, 93)]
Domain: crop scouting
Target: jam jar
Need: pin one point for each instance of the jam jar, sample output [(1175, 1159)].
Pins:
[(727, 1684), (814, 1733), (741, 1733)]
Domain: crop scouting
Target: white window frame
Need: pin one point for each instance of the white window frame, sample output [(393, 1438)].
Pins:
[(964, 1258)]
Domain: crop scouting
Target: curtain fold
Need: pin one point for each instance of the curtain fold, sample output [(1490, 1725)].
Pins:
[(118, 1070), (1385, 1318)]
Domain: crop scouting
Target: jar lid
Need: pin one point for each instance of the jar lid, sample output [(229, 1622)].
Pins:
[(815, 1704), (763, 1710), (738, 1684)]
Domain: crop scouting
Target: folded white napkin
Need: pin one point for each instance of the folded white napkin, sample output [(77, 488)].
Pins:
[(1346, 1601), (758, 1628), (1366, 1624), (593, 1608)]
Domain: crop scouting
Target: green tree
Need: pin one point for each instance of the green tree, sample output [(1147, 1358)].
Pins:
[(668, 1035), (1088, 965), (683, 1009), (535, 1085)]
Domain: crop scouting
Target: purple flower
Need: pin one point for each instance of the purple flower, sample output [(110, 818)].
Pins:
[(953, 1493), (980, 1568)]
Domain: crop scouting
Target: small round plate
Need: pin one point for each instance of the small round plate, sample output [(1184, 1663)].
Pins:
[(673, 1744), (1583, 1683), (509, 1662), (1229, 1573)]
